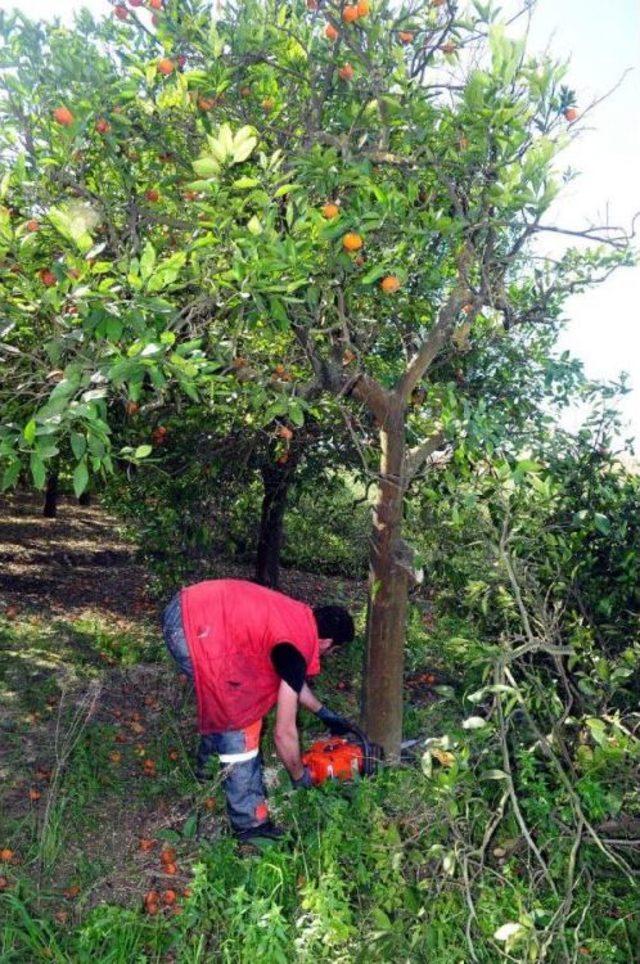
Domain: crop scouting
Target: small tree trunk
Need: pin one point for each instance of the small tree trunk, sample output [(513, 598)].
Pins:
[(276, 481), (388, 590), (50, 507)]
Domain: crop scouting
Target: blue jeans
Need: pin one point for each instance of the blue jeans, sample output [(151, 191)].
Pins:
[(238, 750)]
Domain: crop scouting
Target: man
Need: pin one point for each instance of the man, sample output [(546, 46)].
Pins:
[(248, 648)]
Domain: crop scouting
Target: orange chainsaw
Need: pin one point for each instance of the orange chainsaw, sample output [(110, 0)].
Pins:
[(343, 757)]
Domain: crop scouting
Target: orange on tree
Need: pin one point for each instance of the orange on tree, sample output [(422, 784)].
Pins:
[(350, 13), (6, 855), (364, 8), (390, 284), (33, 226), (352, 241), (330, 210), (346, 72), (571, 114), (48, 278), (166, 66), (169, 897), (405, 36), (330, 32), (63, 116), (155, 4), (152, 195)]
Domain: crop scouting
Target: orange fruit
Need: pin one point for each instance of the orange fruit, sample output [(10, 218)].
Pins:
[(168, 855), (449, 48), (166, 66), (352, 241), (33, 226), (48, 278), (571, 114), (330, 32), (170, 869), (145, 844), (330, 210), (350, 13), (206, 103), (103, 126), (364, 8), (152, 195), (169, 897), (121, 12), (346, 72), (63, 116), (390, 284), (155, 4), (4, 883), (405, 36), (6, 855), (284, 432)]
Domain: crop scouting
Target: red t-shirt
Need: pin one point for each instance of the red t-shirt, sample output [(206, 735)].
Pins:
[(231, 626)]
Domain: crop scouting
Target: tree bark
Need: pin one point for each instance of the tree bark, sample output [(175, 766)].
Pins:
[(50, 507), (276, 481), (388, 591)]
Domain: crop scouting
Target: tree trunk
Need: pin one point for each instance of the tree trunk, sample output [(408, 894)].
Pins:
[(388, 588), (276, 481), (50, 507)]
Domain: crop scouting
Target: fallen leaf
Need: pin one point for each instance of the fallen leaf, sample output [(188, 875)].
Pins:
[(443, 756)]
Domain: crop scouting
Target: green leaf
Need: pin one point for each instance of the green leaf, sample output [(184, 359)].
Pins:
[(245, 183), (190, 827), (29, 431), (78, 445), (147, 261), (142, 451), (601, 523), (80, 478), (10, 475), (206, 166), (38, 470)]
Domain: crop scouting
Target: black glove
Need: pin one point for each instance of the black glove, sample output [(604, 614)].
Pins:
[(337, 725), (305, 782)]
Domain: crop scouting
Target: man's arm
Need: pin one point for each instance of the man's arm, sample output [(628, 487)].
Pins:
[(286, 732), (308, 700)]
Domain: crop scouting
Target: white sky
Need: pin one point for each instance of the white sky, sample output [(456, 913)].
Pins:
[(602, 39)]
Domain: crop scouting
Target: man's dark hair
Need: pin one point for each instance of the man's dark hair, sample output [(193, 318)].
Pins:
[(334, 622)]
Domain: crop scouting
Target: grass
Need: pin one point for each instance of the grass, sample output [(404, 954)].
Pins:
[(371, 871)]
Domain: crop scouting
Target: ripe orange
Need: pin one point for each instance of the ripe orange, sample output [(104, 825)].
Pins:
[(168, 855), (390, 284), (121, 12), (206, 103), (268, 103), (405, 36), (151, 899), (170, 869), (6, 855), (571, 114), (346, 72), (364, 8), (350, 13), (330, 32), (103, 126), (63, 116), (33, 226), (48, 278), (152, 195), (155, 4), (352, 242), (166, 66), (169, 897), (285, 432), (4, 883), (330, 210), (449, 48), (145, 844)]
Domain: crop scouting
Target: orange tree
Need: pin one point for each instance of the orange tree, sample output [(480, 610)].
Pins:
[(291, 201)]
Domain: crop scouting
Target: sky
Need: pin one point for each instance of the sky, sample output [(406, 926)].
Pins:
[(601, 40)]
